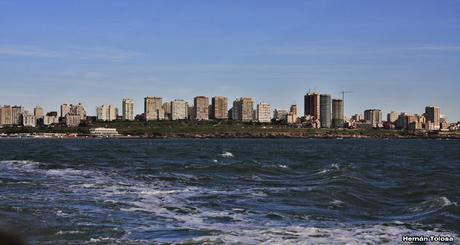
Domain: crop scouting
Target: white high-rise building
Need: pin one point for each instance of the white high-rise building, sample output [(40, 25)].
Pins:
[(65, 109), (77, 109), (106, 113), (263, 113), (29, 120), (128, 109), (153, 108), (179, 110)]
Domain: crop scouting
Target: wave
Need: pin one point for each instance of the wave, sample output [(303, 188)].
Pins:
[(20, 164), (368, 234), (227, 154), (149, 206)]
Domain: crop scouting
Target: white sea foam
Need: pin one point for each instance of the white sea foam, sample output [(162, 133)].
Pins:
[(336, 202), (20, 164), (432, 204), (62, 214), (375, 234), (335, 166), (174, 207), (227, 154), (282, 166), (68, 232)]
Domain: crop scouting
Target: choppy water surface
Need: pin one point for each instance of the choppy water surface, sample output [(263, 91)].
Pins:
[(229, 191)]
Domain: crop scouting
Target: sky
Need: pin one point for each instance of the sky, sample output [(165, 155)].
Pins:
[(392, 55)]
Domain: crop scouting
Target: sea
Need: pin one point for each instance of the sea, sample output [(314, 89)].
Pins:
[(229, 191)]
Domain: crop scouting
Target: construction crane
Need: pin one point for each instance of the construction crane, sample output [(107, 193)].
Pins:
[(343, 94)]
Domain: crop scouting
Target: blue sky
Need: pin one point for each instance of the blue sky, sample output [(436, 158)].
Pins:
[(392, 55)]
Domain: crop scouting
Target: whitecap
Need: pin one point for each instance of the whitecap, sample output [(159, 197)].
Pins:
[(335, 166), (373, 234), (227, 154), (20, 164), (60, 213), (336, 202), (68, 232)]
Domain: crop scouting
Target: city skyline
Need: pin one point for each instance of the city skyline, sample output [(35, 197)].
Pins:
[(53, 53), (321, 109)]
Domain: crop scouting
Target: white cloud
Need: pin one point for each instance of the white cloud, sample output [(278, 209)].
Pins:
[(443, 48), (74, 53)]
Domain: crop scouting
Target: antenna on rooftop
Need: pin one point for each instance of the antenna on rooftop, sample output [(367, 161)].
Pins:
[(343, 92)]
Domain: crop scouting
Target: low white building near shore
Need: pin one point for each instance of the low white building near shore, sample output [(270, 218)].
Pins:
[(104, 132)]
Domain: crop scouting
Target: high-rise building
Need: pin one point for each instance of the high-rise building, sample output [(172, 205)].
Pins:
[(52, 114), (325, 116), (263, 112), (243, 109), (201, 108), (16, 114), (6, 115), (392, 117), (291, 117), (77, 109), (106, 113), (65, 109), (179, 110), (280, 114), (49, 120), (153, 108), (29, 120), (167, 110), (433, 114), (294, 110), (374, 117), (337, 113), (72, 120), (127, 109), (357, 117), (38, 112), (312, 105), (236, 115), (219, 107)]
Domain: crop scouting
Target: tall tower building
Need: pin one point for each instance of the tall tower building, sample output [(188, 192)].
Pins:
[(337, 113), (374, 117), (263, 111), (325, 110), (38, 112), (106, 113), (153, 108), (201, 108), (65, 109), (127, 109), (167, 110), (78, 109), (179, 110), (219, 107), (6, 115), (392, 117), (243, 109), (236, 115), (312, 105), (294, 110), (433, 115), (17, 114)]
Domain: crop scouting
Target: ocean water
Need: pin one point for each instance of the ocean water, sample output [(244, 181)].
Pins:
[(248, 191)]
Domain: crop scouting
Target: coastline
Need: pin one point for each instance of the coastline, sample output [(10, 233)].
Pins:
[(246, 136), (218, 130)]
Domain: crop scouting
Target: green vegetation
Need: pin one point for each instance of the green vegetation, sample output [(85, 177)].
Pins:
[(225, 129)]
